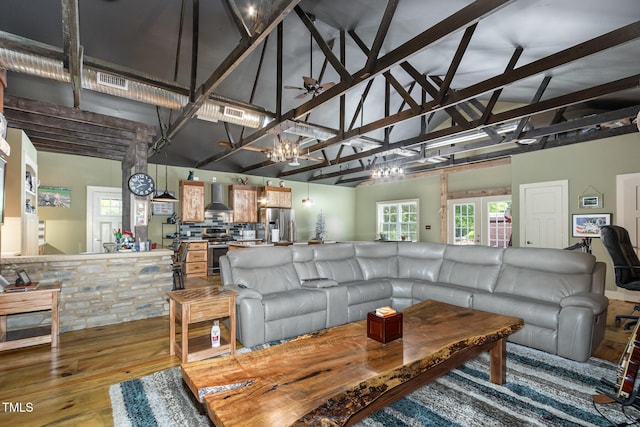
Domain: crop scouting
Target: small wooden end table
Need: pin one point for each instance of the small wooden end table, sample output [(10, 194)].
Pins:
[(43, 298), (189, 306)]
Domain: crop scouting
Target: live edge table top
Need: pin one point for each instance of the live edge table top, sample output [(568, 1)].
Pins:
[(338, 376)]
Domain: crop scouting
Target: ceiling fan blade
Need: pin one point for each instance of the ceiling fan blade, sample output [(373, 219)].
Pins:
[(326, 86), (302, 95), (294, 87), (308, 81)]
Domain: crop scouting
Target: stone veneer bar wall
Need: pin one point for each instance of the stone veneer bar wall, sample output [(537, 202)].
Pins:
[(97, 289)]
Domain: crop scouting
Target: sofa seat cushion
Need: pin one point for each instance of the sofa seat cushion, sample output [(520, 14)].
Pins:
[(295, 302), (423, 290), (533, 312), (360, 291)]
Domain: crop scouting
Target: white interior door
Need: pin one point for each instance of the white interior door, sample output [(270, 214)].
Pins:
[(544, 214), (104, 214)]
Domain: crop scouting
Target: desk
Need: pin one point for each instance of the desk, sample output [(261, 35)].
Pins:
[(196, 305), (43, 298)]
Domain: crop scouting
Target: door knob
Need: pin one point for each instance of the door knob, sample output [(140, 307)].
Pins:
[(529, 242)]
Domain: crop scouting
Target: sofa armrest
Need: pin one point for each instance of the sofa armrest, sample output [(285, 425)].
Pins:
[(598, 277), (598, 303), (244, 292), (320, 282)]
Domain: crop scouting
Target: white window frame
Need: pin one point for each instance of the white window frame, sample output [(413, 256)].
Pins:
[(379, 209)]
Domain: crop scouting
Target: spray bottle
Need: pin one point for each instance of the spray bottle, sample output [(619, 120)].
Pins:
[(215, 334)]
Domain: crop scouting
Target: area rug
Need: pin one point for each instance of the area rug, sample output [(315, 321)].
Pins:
[(541, 390)]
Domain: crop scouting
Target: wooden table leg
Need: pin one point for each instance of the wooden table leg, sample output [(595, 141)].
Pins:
[(184, 328), (232, 324), (3, 328), (55, 319), (172, 326), (498, 362)]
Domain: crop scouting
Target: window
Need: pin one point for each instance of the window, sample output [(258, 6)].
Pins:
[(499, 214), (110, 206), (464, 224), (397, 220)]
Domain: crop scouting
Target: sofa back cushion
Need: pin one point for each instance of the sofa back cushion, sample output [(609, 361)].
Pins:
[(337, 261), (377, 260), (475, 267), (303, 261), (267, 269), (420, 261), (545, 274)]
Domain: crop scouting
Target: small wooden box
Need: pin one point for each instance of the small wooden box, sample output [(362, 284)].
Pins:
[(384, 329)]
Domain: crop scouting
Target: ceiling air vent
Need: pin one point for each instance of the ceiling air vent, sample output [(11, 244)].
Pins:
[(233, 112), (110, 80)]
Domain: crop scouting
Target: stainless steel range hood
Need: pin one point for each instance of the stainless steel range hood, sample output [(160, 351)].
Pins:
[(216, 204)]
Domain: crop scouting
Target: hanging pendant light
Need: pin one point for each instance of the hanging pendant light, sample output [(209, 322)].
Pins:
[(307, 202), (166, 196)]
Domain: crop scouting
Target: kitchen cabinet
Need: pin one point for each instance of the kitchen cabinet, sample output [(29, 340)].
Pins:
[(243, 199), (276, 197), (191, 201), (20, 229), (196, 262)]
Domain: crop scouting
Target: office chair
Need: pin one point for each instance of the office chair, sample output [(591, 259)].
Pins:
[(178, 265), (626, 265)]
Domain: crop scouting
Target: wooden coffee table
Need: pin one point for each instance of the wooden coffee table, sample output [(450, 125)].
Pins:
[(340, 376)]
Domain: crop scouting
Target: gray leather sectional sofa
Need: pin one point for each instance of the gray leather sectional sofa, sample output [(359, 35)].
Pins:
[(292, 290)]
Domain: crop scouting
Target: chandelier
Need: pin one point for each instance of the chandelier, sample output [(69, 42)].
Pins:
[(284, 151), (385, 171)]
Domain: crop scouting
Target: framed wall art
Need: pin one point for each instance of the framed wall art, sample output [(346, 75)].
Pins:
[(588, 225), (590, 198)]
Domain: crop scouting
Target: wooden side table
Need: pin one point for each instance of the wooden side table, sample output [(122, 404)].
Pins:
[(43, 298), (196, 305)]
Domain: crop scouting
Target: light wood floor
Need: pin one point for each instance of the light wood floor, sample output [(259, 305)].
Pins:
[(70, 385)]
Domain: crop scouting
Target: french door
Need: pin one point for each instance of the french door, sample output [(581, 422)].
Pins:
[(480, 221)]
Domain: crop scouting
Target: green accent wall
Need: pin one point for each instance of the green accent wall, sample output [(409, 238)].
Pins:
[(66, 228), (427, 190), (595, 164)]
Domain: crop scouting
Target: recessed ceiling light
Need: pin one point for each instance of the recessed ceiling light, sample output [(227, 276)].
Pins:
[(527, 141)]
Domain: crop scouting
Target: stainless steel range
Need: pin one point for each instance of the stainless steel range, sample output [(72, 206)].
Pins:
[(218, 239)]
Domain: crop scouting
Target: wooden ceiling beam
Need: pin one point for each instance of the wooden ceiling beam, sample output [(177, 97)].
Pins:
[(229, 65), (72, 47), (455, 63), (383, 29), (513, 114), (466, 16), (345, 76)]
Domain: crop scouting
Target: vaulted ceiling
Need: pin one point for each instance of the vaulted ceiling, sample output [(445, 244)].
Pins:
[(419, 84)]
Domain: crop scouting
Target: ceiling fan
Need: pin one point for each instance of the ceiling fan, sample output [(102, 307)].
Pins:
[(310, 85)]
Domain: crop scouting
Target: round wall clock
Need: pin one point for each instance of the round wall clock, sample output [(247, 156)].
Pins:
[(141, 184)]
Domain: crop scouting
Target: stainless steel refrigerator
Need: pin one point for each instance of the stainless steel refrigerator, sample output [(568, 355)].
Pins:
[(279, 224)]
